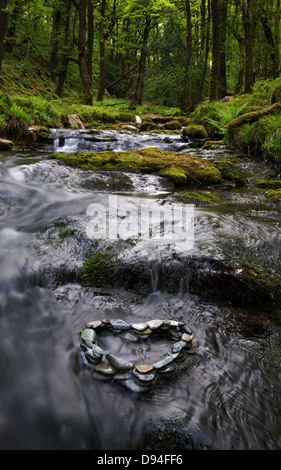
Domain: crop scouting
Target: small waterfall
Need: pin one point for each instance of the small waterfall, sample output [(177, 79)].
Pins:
[(68, 140)]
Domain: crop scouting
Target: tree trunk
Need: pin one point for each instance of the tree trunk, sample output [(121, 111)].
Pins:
[(222, 91), (102, 52), (249, 75), (140, 79), (215, 50), (273, 43), (57, 14), (65, 57), (252, 117), (82, 54), (187, 85), (90, 40), (3, 27), (199, 93)]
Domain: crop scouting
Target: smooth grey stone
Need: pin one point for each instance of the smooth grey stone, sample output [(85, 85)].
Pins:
[(99, 352), (105, 368), (148, 377), (163, 362), (120, 324), (118, 363), (122, 376), (133, 386), (139, 326), (88, 334), (153, 324)]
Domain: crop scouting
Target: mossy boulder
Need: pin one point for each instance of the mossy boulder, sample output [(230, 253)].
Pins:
[(6, 144), (148, 126), (180, 168), (173, 125), (276, 94), (195, 132)]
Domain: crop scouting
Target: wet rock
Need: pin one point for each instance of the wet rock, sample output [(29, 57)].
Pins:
[(172, 125), (148, 377), (153, 324), (143, 368), (94, 324), (119, 325), (139, 326), (118, 363), (6, 144), (169, 369), (104, 368), (187, 337), (177, 347), (122, 376), (163, 362), (99, 352), (132, 385), (88, 337)]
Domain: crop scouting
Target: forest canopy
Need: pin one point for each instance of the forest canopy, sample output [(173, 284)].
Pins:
[(172, 52)]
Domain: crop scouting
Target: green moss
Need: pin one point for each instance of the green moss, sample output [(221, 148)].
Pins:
[(231, 171), (67, 233), (274, 195), (98, 271), (249, 109), (199, 197), (276, 94), (179, 167), (195, 131), (274, 184), (176, 175)]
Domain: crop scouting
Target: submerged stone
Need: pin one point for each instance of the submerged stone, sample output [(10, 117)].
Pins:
[(132, 385)]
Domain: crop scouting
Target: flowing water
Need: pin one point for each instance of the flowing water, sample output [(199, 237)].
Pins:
[(229, 396)]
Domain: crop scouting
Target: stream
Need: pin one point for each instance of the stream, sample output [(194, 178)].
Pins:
[(228, 398)]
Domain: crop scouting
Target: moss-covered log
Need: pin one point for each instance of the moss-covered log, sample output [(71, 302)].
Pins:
[(253, 116)]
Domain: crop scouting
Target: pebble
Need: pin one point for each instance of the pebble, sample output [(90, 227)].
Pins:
[(105, 368), (119, 364), (119, 325), (139, 326), (99, 352), (88, 334), (163, 362), (187, 337), (153, 324), (94, 324), (169, 369), (149, 377), (143, 368), (131, 384)]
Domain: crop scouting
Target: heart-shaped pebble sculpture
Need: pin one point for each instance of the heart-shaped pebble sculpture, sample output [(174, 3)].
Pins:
[(136, 377)]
